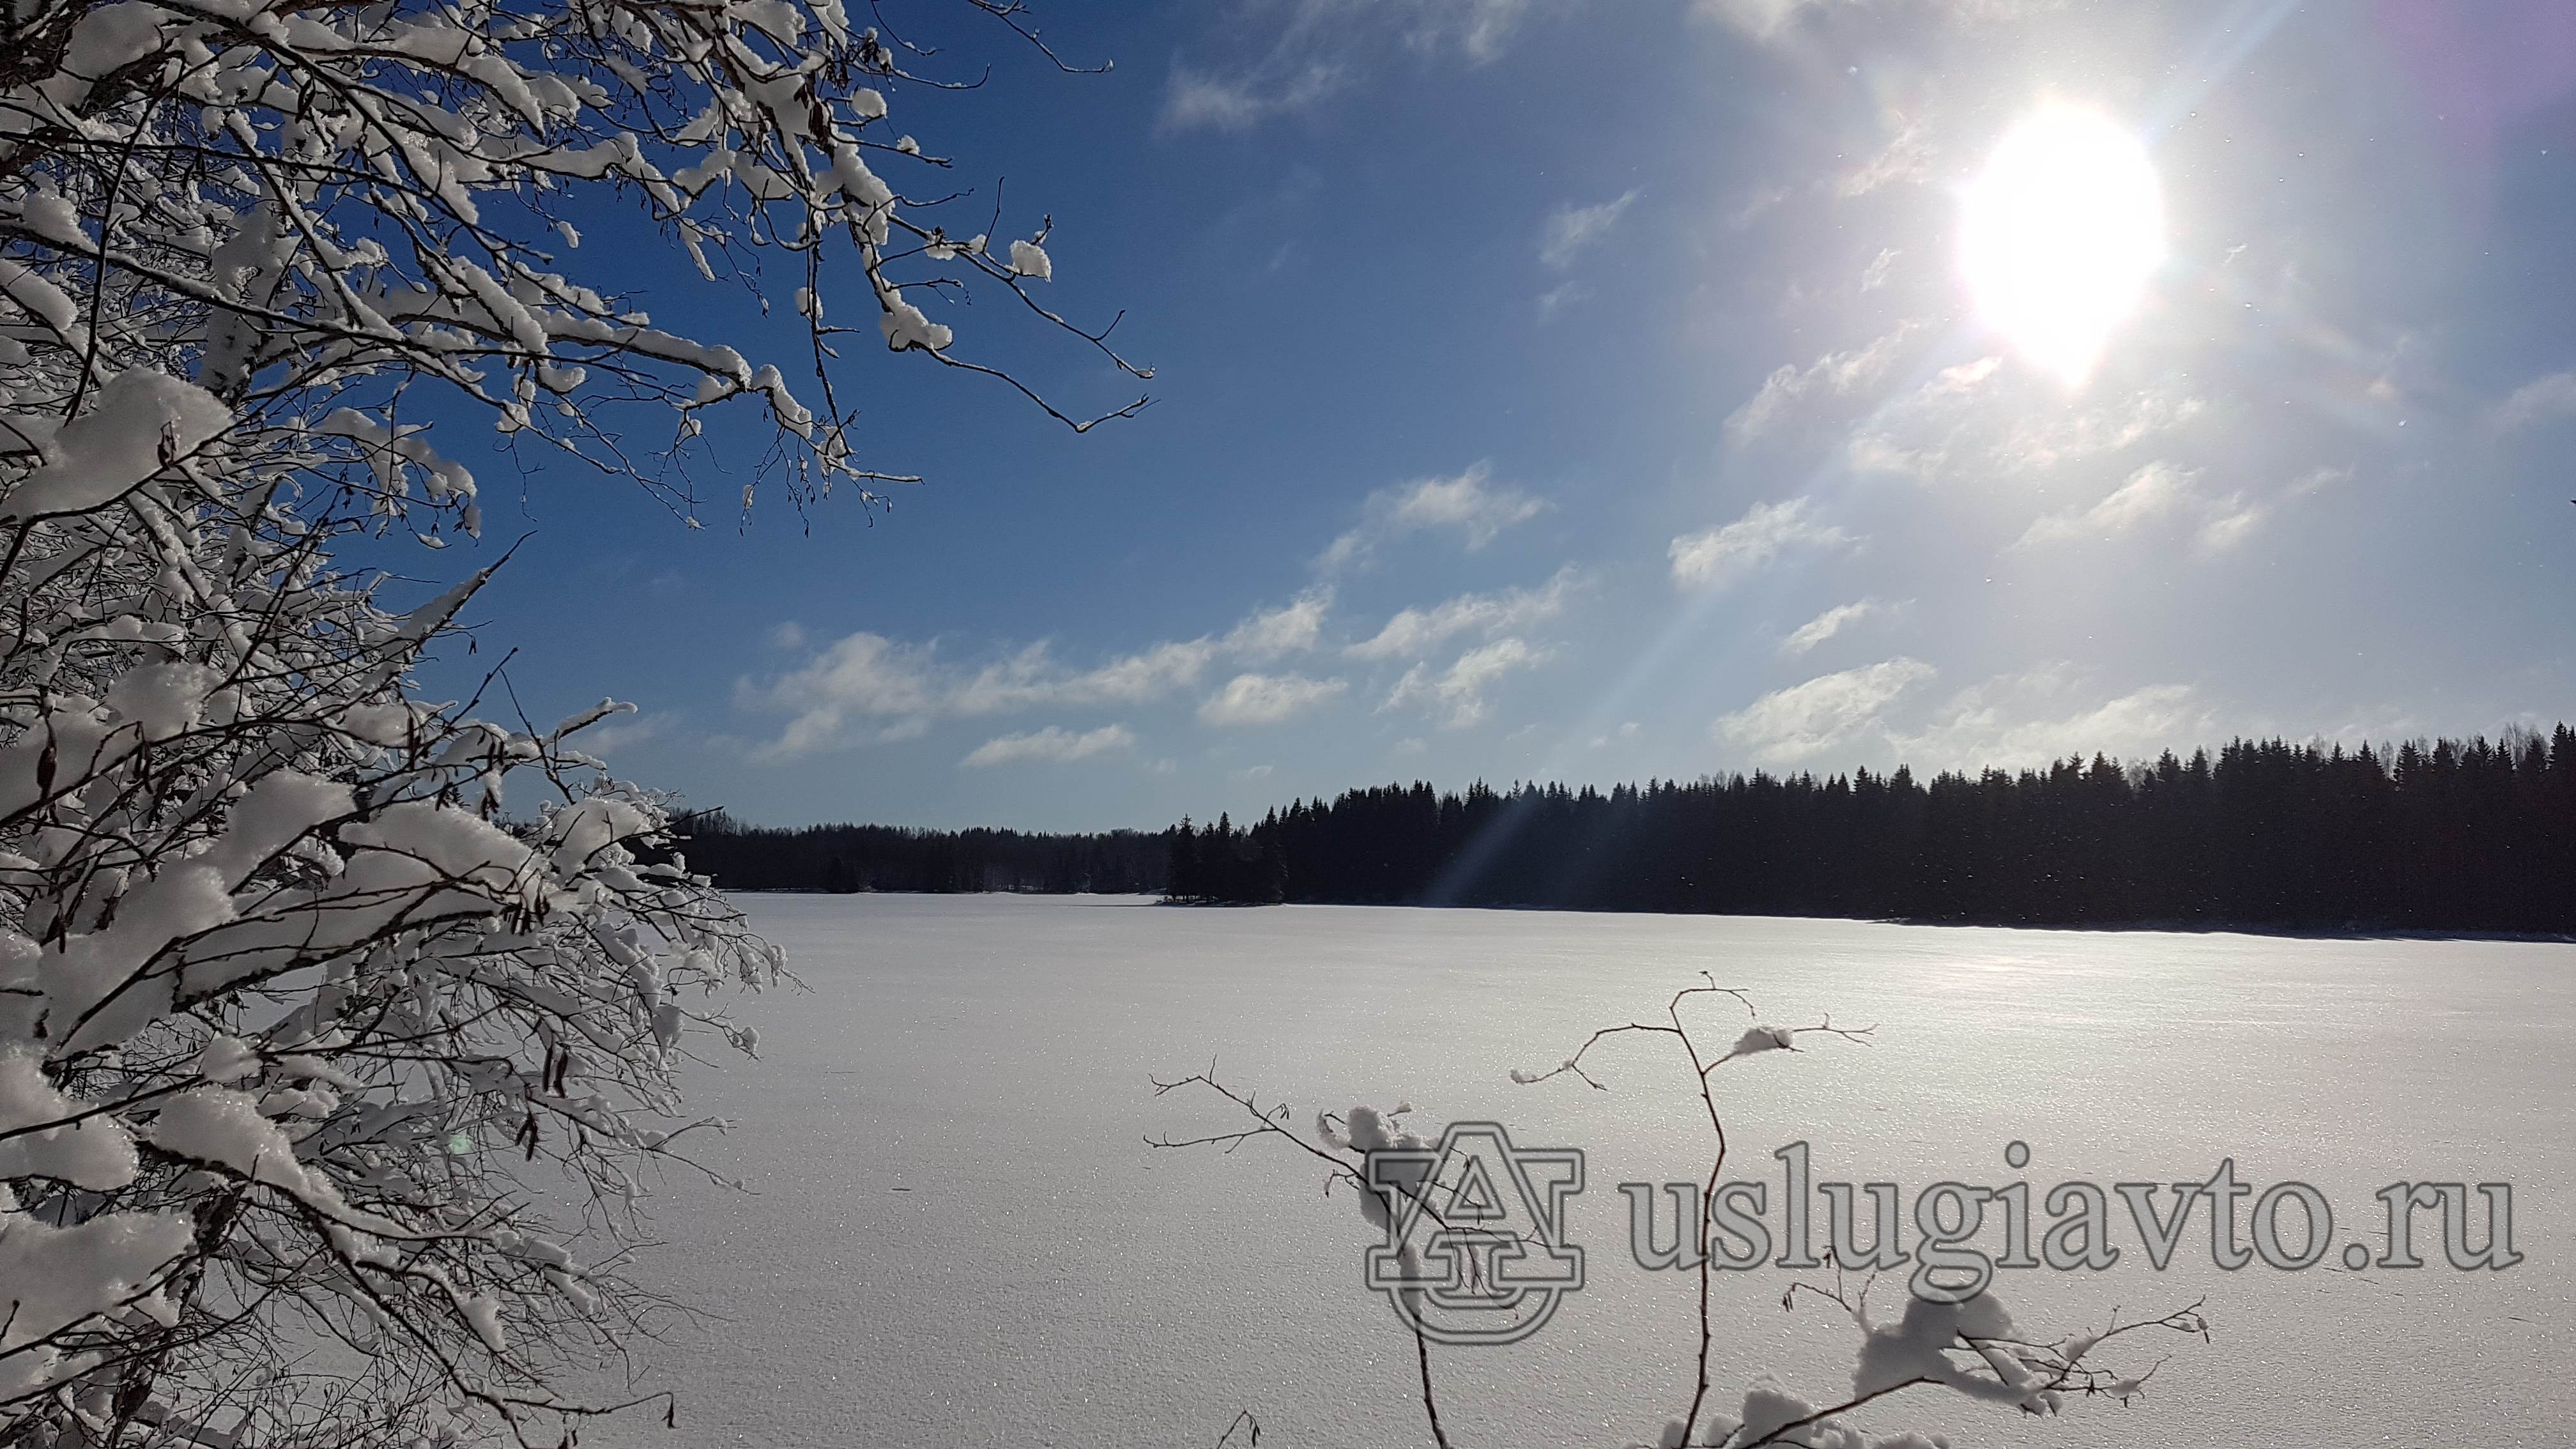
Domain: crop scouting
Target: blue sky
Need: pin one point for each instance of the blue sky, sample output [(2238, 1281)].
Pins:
[(1589, 391)]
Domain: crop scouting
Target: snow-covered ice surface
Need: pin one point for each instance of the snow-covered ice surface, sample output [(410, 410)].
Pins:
[(959, 1236)]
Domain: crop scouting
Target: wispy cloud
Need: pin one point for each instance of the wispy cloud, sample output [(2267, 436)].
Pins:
[(1312, 49), (1837, 374), (1572, 230), (2158, 492), (1289, 630), (866, 688), (1052, 743), (1775, 20), (1413, 633), (1875, 275), (1831, 622), (2318, 479), (1906, 157), (1979, 418), (1467, 503), (2037, 443), (1208, 100), (1761, 19), (609, 736), (1720, 555), (2011, 721), (1806, 720), (1457, 694), (2027, 720), (2540, 400), (1262, 699)]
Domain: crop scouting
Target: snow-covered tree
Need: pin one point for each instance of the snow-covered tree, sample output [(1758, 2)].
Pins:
[(328, 1070)]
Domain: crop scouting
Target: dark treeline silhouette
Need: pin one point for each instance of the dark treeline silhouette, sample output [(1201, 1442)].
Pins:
[(2447, 836), (846, 858), (1223, 864)]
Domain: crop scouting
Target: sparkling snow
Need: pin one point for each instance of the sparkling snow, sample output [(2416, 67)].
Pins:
[(958, 1236)]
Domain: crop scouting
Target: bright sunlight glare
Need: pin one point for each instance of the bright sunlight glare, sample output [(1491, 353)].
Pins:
[(2060, 234)]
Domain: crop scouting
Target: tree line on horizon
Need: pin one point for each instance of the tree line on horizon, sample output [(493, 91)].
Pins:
[(2446, 835), (2472, 835), (847, 859)]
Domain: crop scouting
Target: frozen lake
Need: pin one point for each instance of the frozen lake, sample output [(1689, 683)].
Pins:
[(958, 1236)]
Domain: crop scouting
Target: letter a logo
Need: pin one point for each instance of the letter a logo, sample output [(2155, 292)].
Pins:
[(1475, 1248)]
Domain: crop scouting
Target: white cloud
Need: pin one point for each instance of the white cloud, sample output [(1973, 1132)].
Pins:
[(1260, 699), (1483, 27), (1030, 680), (1907, 156), (1310, 56), (1571, 230), (2011, 721), (2229, 524), (609, 736), (2538, 401), (2154, 491), (863, 677), (1759, 203), (865, 688), (2036, 443), (788, 635), (1465, 503), (2028, 720), (1289, 630), (1831, 622), (2318, 479), (1722, 554), (1761, 19), (1839, 374), (1978, 419), (1805, 720), (1875, 275), (2157, 492), (1051, 743), (1457, 693), (1770, 20), (1201, 100), (1414, 633)]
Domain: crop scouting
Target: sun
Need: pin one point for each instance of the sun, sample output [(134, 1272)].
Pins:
[(2060, 235)]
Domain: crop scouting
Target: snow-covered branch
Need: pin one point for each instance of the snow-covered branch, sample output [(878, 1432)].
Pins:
[(342, 220), (340, 1028)]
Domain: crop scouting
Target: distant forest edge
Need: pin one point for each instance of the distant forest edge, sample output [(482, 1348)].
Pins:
[(2445, 836), (842, 859)]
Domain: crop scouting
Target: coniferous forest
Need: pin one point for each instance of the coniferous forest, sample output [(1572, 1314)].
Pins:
[(842, 859), (2440, 836)]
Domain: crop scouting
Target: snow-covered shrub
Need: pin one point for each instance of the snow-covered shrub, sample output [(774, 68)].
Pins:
[(1972, 1347), (327, 1071)]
